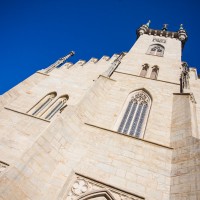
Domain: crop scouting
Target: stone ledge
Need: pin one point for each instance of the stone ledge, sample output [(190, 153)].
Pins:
[(26, 114), (181, 93), (39, 72), (157, 144), (146, 78), (106, 77)]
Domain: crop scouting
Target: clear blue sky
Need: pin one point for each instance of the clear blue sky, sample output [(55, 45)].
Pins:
[(35, 33)]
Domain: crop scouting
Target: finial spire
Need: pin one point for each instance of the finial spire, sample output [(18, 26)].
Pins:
[(181, 27), (164, 27), (148, 23), (182, 35), (59, 62)]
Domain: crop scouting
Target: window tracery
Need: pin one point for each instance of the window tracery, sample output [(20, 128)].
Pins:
[(56, 107), (42, 104), (156, 50), (135, 115)]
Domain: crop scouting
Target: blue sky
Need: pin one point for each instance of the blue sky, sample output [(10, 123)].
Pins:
[(36, 33)]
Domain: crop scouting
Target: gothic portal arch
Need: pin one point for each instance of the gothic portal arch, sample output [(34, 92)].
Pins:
[(97, 195)]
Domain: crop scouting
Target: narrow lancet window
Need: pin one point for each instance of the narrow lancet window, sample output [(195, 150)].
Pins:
[(134, 114), (154, 73), (156, 50), (39, 108), (56, 107), (145, 68)]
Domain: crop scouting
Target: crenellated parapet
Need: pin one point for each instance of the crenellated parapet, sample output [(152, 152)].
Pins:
[(80, 62), (93, 60), (104, 58), (180, 34)]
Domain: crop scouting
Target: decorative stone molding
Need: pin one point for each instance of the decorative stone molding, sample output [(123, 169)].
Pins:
[(193, 70), (82, 188), (59, 62), (159, 40), (3, 166), (192, 98), (180, 34), (114, 64), (140, 97)]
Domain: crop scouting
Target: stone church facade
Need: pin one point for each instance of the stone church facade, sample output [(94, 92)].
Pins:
[(125, 127)]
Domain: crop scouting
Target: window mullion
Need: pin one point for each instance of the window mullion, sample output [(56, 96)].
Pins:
[(141, 120), (51, 114), (125, 117), (136, 118), (130, 117), (42, 106)]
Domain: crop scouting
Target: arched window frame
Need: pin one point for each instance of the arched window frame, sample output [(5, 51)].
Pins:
[(156, 50), (154, 72), (131, 114), (144, 70), (57, 106), (39, 108)]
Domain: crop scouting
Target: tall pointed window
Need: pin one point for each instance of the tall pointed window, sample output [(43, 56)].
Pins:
[(154, 73), (134, 114), (56, 107), (145, 68), (39, 108), (156, 50)]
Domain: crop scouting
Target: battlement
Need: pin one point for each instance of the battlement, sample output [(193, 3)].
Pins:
[(180, 34)]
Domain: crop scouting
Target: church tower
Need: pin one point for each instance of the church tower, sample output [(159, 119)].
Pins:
[(125, 127)]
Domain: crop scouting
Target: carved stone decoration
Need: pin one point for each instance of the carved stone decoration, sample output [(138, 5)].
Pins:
[(140, 97), (79, 187), (3, 166), (114, 65), (184, 78), (159, 40), (59, 62), (82, 188), (192, 98)]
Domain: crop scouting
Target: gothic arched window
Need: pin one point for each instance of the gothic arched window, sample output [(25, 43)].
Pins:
[(156, 50), (42, 104), (144, 70), (134, 114), (154, 73), (56, 107)]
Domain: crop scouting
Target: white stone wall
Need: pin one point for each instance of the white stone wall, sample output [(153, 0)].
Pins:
[(43, 157)]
